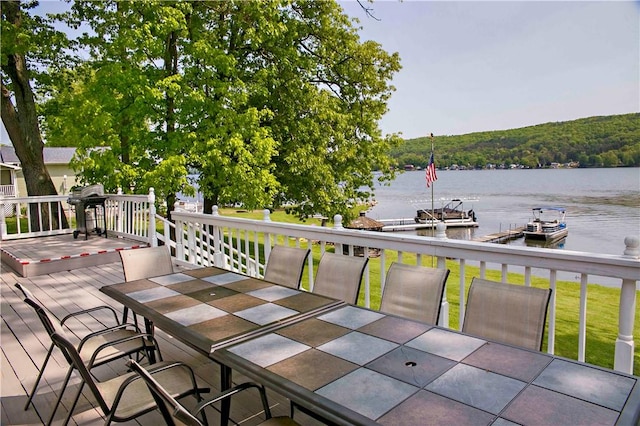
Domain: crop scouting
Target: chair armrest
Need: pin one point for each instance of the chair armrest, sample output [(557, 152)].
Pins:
[(110, 330), (141, 336), (231, 392), (156, 368), (88, 311)]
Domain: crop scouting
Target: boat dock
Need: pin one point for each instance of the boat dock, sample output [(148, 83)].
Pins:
[(410, 224), (402, 224), (500, 237)]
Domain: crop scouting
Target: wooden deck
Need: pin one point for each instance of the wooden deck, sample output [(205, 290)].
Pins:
[(25, 343)]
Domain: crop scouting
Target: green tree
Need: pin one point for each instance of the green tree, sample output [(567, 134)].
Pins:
[(582, 140), (29, 44), (610, 159), (269, 102), (21, 35)]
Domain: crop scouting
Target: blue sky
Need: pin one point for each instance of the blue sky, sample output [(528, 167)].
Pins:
[(475, 66)]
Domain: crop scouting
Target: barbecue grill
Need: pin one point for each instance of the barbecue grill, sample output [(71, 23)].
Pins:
[(89, 204)]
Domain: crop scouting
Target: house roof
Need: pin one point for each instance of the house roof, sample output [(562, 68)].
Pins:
[(52, 155)]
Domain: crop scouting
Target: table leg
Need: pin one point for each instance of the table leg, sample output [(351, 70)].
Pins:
[(149, 329), (225, 383)]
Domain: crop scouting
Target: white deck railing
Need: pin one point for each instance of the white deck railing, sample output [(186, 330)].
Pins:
[(47, 213), (234, 243), (125, 215), (128, 216)]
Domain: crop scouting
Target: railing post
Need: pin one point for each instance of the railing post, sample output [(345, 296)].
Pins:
[(337, 224), (267, 241), (179, 239), (119, 212), (218, 239), (624, 343), (3, 223), (153, 238), (443, 321)]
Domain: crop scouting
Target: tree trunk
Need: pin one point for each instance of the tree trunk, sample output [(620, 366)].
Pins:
[(21, 122)]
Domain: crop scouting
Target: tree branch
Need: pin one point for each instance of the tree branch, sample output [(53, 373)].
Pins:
[(10, 116), (368, 11)]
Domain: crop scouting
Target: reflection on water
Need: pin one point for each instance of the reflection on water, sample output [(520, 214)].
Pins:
[(559, 244)]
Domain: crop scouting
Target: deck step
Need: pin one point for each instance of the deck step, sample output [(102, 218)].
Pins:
[(62, 253)]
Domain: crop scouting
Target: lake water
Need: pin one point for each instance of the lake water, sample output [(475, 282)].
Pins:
[(603, 205)]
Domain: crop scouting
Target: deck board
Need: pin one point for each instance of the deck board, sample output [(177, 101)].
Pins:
[(25, 344)]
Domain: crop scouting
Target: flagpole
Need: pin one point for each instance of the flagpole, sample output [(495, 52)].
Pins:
[(433, 228)]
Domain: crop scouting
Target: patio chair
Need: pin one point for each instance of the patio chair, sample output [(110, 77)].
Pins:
[(285, 265), (506, 313), (95, 348), (414, 292), (126, 397), (146, 262), (339, 276), (166, 402), (143, 263)]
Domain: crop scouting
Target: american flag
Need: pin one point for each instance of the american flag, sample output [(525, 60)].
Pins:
[(431, 171)]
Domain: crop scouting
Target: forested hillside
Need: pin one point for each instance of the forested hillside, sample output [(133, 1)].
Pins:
[(609, 141)]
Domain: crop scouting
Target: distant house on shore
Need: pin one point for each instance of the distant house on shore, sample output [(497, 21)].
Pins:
[(56, 160)]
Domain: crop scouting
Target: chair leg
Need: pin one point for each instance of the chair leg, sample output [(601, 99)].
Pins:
[(62, 389), (73, 406), (265, 402), (35, 386)]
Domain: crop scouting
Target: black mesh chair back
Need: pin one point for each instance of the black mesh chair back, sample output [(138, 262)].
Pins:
[(507, 313), (146, 262), (414, 292), (339, 276), (285, 265)]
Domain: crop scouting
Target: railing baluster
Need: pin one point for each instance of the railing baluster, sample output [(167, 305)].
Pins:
[(582, 326), (367, 280), (28, 209), (462, 284), (383, 268), (256, 251), (552, 312)]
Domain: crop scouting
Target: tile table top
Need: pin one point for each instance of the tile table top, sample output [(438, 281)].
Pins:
[(209, 306), (356, 366)]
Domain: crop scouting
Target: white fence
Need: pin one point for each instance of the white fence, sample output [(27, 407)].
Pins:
[(244, 245)]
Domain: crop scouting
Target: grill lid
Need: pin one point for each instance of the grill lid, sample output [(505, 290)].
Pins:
[(88, 191)]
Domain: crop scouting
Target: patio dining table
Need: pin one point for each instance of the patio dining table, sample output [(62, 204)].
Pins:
[(355, 366), (209, 308)]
